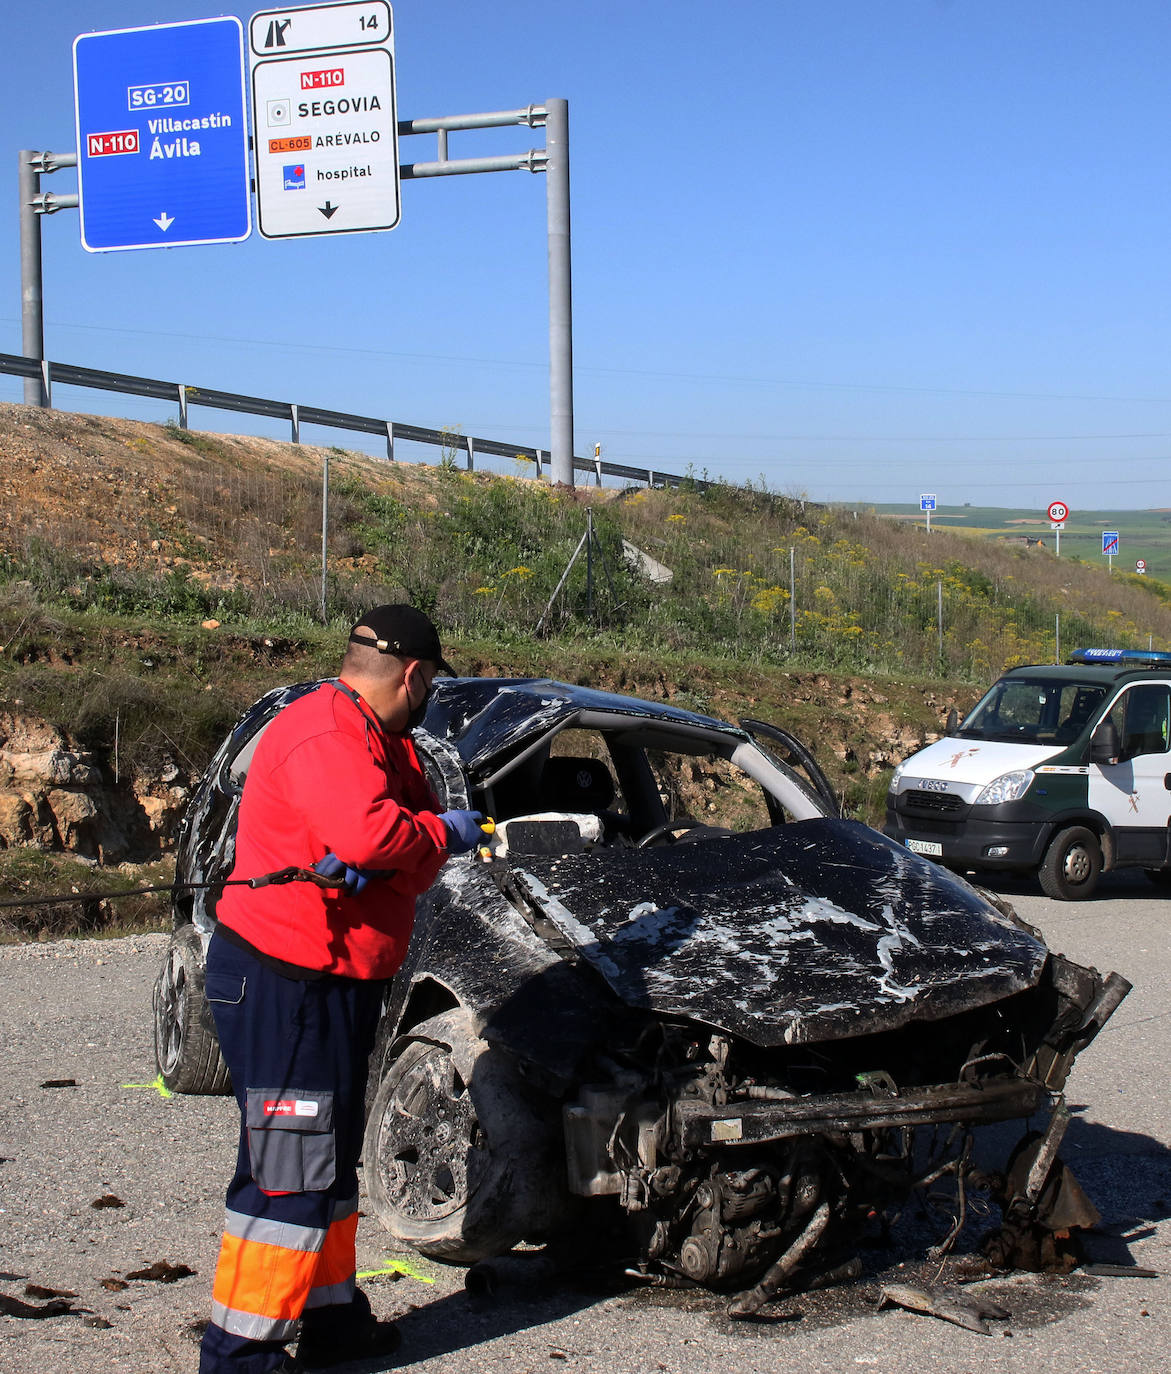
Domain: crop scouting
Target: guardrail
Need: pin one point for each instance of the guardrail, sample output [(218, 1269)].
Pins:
[(67, 374)]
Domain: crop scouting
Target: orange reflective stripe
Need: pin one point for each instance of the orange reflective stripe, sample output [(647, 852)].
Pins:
[(337, 1262), (266, 1280)]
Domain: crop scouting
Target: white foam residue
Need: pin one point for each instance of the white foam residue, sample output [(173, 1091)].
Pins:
[(822, 909), (888, 946), (571, 927)]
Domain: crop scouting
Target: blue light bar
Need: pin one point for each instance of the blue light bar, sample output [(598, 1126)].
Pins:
[(1158, 656)]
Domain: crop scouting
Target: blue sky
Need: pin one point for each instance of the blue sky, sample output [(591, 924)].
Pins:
[(858, 248)]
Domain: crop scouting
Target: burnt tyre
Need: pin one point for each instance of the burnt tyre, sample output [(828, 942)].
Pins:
[(1072, 864), (459, 1160), (187, 1050)]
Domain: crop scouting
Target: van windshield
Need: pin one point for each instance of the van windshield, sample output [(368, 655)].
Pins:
[(1036, 710)]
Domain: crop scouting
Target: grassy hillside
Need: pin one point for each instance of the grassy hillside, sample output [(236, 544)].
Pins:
[(153, 582), (112, 517)]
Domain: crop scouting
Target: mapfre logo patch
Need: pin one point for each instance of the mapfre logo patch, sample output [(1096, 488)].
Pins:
[(290, 1106)]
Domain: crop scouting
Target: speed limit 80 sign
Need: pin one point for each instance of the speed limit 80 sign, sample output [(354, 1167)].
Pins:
[(1058, 512)]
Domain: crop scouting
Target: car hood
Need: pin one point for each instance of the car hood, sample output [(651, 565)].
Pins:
[(972, 761), (805, 932)]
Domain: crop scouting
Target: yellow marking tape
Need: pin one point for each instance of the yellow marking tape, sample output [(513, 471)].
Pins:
[(395, 1266), (158, 1085)]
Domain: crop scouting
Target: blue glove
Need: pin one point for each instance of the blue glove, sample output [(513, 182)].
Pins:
[(353, 881), (463, 830)]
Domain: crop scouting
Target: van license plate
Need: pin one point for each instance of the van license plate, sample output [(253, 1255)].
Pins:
[(926, 847)]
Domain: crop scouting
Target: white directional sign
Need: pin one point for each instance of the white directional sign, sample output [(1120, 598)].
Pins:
[(325, 123)]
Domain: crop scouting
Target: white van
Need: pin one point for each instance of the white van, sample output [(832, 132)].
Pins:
[(1059, 770)]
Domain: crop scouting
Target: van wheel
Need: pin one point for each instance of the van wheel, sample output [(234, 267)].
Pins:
[(1069, 871)]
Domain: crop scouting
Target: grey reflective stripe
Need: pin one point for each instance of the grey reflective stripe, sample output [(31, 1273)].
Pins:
[(344, 1208), (250, 1326), (282, 1233), (334, 1295)]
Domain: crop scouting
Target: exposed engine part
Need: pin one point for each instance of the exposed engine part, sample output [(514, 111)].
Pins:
[(775, 1278), (1043, 1207)]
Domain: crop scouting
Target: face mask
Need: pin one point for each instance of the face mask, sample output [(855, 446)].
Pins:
[(415, 714)]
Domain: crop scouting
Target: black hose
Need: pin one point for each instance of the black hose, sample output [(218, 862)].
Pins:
[(282, 875)]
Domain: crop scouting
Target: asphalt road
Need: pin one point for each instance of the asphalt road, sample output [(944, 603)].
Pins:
[(80, 1011)]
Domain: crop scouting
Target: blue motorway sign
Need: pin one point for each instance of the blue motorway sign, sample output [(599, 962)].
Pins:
[(162, 135), (1110, 541)]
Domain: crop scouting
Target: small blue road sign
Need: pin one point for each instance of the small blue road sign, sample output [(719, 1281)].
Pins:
[(162, 135), (1110, 541), (927, 501)]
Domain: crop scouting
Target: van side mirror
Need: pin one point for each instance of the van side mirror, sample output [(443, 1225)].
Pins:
[(1105, 745), (953, 722)]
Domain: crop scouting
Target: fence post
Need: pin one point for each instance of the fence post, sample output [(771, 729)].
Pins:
[(182, 406), (295, 416), (471, 447), (390, 441), (792, 600), (538, 464), (324, 527), (47, 383)]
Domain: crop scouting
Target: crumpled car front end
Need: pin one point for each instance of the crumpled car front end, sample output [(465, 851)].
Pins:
[(737, 1058)]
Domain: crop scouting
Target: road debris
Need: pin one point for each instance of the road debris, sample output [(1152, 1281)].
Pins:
[(1119, 1271), (971, 1314), (162, 1271), (34, 1290), (106, 1200), (59, 1083), (14, 1307)]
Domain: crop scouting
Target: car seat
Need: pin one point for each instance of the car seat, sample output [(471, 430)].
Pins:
[(577, 785)]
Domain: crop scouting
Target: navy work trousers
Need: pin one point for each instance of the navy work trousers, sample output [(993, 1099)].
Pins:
[(298, 1052)]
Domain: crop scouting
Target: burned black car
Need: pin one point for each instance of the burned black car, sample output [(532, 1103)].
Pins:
[(676, 1000)]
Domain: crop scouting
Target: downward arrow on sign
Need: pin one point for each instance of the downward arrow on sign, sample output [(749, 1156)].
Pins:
[(165, 221), (328, 210)]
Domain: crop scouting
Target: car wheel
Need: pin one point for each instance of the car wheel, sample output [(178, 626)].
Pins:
[(1072, 863), (187, 1049), (459, 1163)]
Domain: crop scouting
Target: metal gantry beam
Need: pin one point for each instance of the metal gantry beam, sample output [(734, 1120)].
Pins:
[(553, 160)]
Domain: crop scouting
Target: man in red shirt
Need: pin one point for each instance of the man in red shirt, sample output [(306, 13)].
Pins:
[(295, 980)]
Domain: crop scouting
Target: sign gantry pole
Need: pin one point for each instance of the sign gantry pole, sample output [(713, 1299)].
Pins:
[(32, 317), (560, 292), (33, 204)]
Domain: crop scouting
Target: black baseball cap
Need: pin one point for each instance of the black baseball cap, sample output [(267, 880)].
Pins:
[(404, 631)]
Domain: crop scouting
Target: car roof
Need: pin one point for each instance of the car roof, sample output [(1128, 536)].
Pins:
[(484, 717), (1105, 673)]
